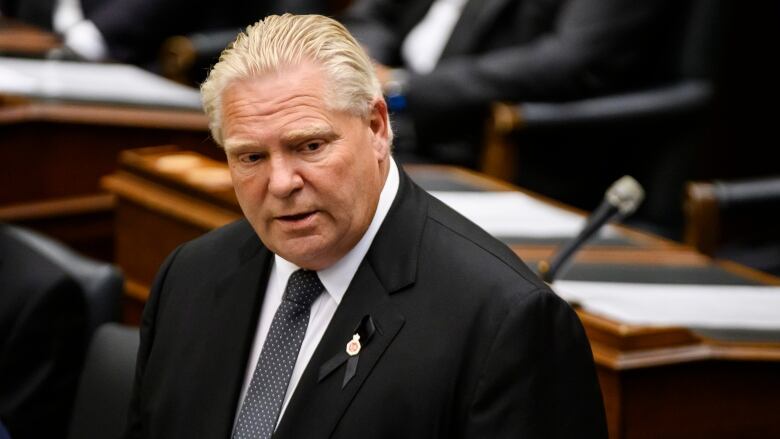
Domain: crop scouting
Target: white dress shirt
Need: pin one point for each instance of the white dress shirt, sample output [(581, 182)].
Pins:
[(335, 278), (80, 34), (423, 46)]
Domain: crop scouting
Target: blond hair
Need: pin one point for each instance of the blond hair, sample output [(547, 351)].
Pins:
[(277, 42)]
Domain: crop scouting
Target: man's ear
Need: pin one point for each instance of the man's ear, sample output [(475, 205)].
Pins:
[(379, 124)]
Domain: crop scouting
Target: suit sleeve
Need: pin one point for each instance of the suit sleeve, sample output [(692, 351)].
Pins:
[(539, 378), (135, 29), (595, 45), (136, 413), (379, 26)]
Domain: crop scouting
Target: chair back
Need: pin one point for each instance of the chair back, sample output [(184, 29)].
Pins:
[(101, 282), (103, 395), (736, 220)]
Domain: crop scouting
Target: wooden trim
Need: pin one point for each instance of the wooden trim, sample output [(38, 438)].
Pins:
[(618, 360), (167, 201), (625, 337), (747, 272), (136, 290), (104, 114), (59, 207), (24, 39), (745, 351), (619, 255), (145, 163), (621, 346)]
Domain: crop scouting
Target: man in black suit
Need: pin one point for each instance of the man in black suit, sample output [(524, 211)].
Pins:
[(132, 31), (416, 323), (506, 50)]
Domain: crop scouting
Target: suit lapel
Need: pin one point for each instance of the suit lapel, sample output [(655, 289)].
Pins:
[(321, 403), (234, 311), (388, 268), (477, 16)]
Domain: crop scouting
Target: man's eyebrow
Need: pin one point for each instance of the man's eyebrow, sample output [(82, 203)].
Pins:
[(322, 132), (235, 145)]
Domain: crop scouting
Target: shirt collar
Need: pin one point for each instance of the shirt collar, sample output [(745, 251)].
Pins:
[(338, 276)]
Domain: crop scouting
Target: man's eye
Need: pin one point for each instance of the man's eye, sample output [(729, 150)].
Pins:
[(312, 146), (250, 158)]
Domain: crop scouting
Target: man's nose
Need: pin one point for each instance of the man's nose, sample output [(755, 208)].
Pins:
[(284, 178)]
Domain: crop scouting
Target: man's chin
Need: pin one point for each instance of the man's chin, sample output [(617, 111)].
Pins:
[(307, 252)]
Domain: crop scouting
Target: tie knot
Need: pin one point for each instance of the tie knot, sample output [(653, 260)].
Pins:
[(303, 287)]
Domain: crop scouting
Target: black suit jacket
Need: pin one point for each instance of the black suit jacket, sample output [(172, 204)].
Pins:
[(518, 51), (135, 29), (468, 342), (43, 322)]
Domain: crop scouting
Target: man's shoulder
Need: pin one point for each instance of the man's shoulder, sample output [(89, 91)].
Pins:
[(221, 245), (237, 230), (462, 245)]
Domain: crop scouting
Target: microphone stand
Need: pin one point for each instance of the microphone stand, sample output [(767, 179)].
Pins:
[(621, 199), (562, 259)]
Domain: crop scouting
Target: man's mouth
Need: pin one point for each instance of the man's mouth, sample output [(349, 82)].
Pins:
[(296, 217)]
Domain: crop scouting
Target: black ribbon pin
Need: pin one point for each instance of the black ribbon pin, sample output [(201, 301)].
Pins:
[(364, 331), (362, 334)]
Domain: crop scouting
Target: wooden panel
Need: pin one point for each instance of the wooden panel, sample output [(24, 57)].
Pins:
[(166, 196), (144, 239), (53, 153), (612, 393), (712, 399)]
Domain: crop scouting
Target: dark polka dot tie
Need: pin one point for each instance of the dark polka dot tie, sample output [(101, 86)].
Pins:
[(263, 400)]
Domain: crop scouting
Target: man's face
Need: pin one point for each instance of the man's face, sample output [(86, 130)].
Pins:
[(307, 177)]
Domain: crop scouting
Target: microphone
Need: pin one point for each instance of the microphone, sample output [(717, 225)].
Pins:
[(621, 199)]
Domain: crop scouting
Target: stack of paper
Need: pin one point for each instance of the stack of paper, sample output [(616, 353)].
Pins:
[(92, 82), (515, 214), (692, 306)]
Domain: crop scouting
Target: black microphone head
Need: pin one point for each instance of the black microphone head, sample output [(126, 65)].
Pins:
[(626, 194)]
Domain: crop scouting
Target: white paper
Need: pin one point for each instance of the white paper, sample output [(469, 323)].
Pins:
[(507, 214), (691, 306), (107, 83), (14, 82)]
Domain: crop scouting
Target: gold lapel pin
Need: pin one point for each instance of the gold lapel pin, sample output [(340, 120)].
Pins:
[(353, 347)]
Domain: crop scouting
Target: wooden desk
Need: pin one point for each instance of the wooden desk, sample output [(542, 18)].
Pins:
[(54, 153), (657, 382), (19, 39)]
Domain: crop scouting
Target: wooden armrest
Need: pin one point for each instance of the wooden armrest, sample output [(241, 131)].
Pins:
[(702, 217), (721, 211)]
